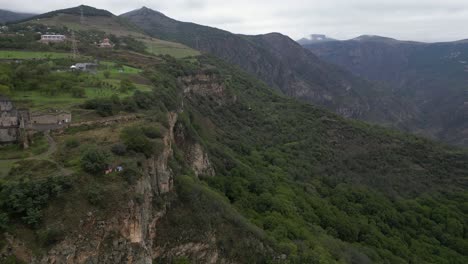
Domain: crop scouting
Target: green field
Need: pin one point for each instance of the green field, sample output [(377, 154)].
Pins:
[(13, 54), (36, 100), (115, 70), (160, 47), (115, 26)]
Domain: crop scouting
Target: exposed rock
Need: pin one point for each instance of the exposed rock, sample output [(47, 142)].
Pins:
[(205, 85)]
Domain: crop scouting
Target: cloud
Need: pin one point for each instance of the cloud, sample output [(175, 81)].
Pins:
[(428, 20)]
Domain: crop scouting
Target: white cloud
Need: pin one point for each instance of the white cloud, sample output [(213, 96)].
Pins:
[(426, 20)]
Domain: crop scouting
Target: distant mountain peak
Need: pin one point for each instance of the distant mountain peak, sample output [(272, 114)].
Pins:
[(315, 38), (144, 11), (12, 16), (373, 38), (87, 11)]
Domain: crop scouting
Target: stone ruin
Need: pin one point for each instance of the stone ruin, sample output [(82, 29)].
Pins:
[(17, 124)]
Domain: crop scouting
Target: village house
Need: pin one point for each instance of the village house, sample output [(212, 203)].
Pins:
[(52, 38), (88, 67), (105, 44), (49, 119)]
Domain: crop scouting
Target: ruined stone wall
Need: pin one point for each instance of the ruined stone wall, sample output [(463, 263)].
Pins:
[(49, 119), (8, 119), (6, 105), (8, 135)]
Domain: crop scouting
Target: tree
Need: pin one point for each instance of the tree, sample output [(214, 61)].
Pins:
[(78, 92), (136, 140), (94, 161), (107, 74), (3, 221), (4, 90), (126, 85)]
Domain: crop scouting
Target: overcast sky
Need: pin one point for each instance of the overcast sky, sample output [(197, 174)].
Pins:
[(422, 20)]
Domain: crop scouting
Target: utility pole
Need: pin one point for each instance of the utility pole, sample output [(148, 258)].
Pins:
[(82, 16), (74, 50)]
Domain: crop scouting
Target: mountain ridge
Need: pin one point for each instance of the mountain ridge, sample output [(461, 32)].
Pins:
[(280, 62), (194, 160), (431, 75), (7, 16)]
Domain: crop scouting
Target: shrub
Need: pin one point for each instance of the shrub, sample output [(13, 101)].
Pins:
[(103, 106), (26, 200), (78, 92), (50, 237), (94, 161), (72, 143), (3, 221), (181, 260), (152, 131), (129, 105), (126, 85), (130, 175), (95, 196), (119, 149), (105, 109), (136, 140), (4, 90)]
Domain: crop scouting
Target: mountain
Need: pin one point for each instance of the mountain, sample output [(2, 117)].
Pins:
[(108, 24), (314, 38), (432, 76), (9, 16), (194, 160), (284, 65)]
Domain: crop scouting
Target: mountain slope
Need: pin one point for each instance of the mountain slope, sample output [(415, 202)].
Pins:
[(9, 16), (432, 76), (104, 21), (213, 166), (283, 64)]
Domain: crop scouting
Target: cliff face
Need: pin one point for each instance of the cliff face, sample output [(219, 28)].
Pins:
[(128, 236), (131, 234), (157, 225)]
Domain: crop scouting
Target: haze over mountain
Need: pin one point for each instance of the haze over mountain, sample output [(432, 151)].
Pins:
[(10, 16), (433, 76), (431, 20), (284, 65), (314, 38)]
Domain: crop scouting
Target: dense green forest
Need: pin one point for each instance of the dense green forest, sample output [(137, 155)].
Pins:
[(292, 183), (305, 175)]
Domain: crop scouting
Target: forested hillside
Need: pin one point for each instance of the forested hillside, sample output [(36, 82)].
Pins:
[(284, 65), (9, 16), (193, 160), (432, 76)]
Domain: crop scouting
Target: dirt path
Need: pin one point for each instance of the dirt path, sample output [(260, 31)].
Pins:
[(44, 156)]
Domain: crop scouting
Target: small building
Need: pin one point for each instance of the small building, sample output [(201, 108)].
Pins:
[(50, 118), (52, 38), (89, 67), (106, 44)]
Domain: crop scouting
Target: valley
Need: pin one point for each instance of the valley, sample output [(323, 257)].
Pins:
[(432, 76), (189, 144)]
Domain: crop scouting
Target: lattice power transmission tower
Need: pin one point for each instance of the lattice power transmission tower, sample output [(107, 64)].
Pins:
[(81, 15), (74, 45)]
